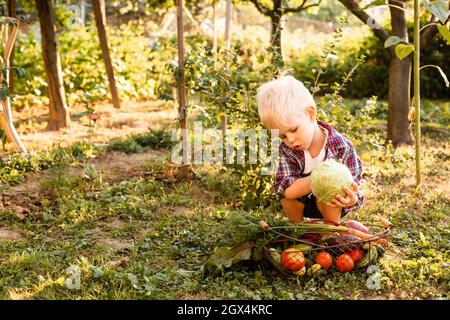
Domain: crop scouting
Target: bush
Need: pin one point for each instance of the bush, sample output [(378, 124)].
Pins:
[(154, 139), (139, 66), (231, 88), (372, 76)]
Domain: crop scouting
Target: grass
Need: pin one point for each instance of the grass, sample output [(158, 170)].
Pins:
[(147, 237), (14, 167)]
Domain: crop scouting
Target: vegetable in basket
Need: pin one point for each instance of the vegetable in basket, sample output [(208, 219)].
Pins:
[(300, 272), (292, 259), (357, 226), (370, 257), (344, 263), (313, 270), (324, 259), (356, 255), (302, 247)]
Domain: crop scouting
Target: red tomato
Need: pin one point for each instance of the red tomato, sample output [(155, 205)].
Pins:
[(324, 259), (293, 259), (356, 255), (344, 263)]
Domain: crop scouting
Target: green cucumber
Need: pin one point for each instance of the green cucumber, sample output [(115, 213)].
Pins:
[(370, 257), (302, 247), (275, 255)]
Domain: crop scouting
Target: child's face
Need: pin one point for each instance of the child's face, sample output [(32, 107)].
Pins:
[(298, 131)]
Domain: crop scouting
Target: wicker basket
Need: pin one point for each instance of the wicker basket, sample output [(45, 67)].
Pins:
[(378, 231)]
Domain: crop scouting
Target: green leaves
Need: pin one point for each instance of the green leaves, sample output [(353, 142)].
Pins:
[(445, 33), (423, 240), (374, 4), (3, 92), (7, 20), (443, 75), (20, 72), (224, 257), (438, 7), (3, 137), (392, 41), (447, 83), (403, 50)]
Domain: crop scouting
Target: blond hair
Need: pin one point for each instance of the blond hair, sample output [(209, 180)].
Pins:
[(282, 98)]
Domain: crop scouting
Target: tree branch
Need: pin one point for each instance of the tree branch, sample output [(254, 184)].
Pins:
[(351, 5), (302, 7), (264, 10), (429, 32)]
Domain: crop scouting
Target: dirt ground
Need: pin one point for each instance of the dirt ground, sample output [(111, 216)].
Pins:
[(132, 117), (25, 198)]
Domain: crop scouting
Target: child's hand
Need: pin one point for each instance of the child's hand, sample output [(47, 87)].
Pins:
[(349, 200)]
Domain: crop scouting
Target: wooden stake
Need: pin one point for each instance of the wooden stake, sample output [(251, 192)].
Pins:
[(100, 20), (181, 80), (224, 118), (417, 84), (10, 8), (214, 26), (10, 34)]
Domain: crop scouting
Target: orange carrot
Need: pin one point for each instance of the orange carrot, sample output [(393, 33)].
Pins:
[(363, 235), (357, 233)]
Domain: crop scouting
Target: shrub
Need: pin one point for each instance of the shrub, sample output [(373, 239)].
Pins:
[(139, 66), (372, 76)]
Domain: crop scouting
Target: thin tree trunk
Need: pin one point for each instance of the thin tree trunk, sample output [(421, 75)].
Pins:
[(11, 5), (227, 24), (8, 36), (83, 12), (214, 26), (224, 118), (276, 33), (276, 26), (417, 84), (182, 81), (58, 113), (100, 20), (3, 123), (399, 83)]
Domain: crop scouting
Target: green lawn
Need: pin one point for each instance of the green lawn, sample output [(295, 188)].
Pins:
[(145, 234)]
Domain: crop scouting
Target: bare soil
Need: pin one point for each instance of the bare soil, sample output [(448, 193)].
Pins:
[(131, 118), (25, 199)]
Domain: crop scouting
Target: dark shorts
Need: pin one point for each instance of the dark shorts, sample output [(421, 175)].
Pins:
[(311, 210)]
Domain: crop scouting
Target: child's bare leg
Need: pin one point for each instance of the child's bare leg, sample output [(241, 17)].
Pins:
[(293, 209), (329, 213)]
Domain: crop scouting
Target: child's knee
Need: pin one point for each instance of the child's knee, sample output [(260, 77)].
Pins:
[(293, 209), (329, 213)]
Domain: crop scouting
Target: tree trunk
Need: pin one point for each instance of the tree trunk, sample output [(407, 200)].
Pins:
[(276, 32), (100, 20), (182, 82), (399, 82), (224, 117), (399, 101), (214, 25), (59, 113), (11, 6), (228, 24)]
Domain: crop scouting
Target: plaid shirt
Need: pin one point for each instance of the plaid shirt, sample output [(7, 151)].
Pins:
[(292, 162)]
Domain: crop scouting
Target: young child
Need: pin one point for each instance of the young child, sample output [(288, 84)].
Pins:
[(286, 105)]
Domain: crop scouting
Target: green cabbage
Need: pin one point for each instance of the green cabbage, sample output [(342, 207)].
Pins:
[(328, 179)]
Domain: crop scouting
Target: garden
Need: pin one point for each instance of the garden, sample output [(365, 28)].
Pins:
[(116, 175)]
